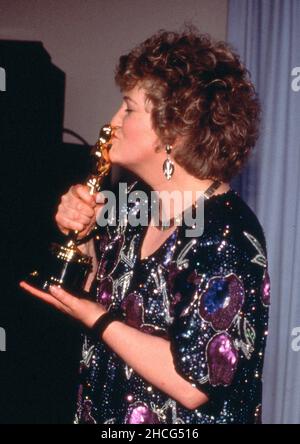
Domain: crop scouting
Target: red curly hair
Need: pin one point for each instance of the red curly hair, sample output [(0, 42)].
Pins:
[(202, 96)]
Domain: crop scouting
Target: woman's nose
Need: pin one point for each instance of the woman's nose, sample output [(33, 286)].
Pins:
[(117, 119)]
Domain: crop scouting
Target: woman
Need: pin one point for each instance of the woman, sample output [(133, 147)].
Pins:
[(189, 347)]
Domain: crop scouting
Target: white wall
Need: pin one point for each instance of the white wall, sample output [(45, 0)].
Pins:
[(86, 37)]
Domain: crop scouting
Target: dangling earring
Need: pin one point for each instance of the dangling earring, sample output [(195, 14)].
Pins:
[(168, 165)]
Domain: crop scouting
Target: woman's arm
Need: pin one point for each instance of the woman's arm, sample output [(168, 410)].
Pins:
[(150, 356)]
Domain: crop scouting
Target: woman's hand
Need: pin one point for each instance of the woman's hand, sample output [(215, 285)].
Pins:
[(83, 310), (78, 210)]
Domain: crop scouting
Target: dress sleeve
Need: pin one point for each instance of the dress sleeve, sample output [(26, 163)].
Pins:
[(220, 314)]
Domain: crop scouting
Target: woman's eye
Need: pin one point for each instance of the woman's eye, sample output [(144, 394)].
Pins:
[(128, 110)]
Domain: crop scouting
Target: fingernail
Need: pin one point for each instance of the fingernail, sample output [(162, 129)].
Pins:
[(53, 288)]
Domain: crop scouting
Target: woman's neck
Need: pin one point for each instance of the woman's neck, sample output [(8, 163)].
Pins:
[(184, 189)]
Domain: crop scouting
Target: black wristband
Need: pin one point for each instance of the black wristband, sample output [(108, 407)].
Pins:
[(102, 322)]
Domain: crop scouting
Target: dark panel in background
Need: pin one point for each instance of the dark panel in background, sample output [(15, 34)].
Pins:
[(39, 368)]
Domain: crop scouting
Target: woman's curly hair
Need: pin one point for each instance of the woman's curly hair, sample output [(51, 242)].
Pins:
[(201, 94)]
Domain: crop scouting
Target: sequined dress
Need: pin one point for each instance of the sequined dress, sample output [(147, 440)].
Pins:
[(208, 295)]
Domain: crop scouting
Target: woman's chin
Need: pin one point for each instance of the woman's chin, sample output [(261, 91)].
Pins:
[(112, 155), (116, 161)]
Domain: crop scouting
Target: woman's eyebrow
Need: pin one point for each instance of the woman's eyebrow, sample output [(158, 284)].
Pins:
[(128, 98)]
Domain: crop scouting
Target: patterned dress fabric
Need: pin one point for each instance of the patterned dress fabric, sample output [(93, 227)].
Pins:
[(208, 295)]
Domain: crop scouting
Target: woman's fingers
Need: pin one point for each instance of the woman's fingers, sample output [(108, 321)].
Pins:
[(64, 297), (83, 192), (68, 224), (83, 208), (76, 210), (49, 299), (78, 216), (76, 206), (83, 310)]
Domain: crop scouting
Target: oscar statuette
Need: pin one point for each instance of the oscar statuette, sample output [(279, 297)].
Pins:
[(68, 267)]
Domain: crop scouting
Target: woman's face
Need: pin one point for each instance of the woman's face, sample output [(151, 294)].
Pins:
[(134, 143)]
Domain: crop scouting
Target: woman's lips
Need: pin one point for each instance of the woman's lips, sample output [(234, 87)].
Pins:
[(114, 139)]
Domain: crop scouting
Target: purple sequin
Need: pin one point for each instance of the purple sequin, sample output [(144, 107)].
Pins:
[(141, 414), (222, 359), (265, 292), (132, 305), (104, 292), (221, 301)]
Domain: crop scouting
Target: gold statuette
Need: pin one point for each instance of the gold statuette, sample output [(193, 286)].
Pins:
[(68, 266)]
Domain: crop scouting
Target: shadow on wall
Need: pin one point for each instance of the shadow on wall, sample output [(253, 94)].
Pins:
[(37, 363), (38, 381)]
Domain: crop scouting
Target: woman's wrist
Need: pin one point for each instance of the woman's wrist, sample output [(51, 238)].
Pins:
[(85, 239), (85, 248), (97, 330)]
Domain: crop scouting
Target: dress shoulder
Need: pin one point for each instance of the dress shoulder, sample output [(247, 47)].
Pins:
[(220, 293)]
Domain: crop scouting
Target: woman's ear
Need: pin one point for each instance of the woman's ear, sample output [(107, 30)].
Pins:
[(158, 147)]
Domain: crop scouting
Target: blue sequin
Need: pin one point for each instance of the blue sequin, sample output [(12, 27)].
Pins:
[(217, 296)]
